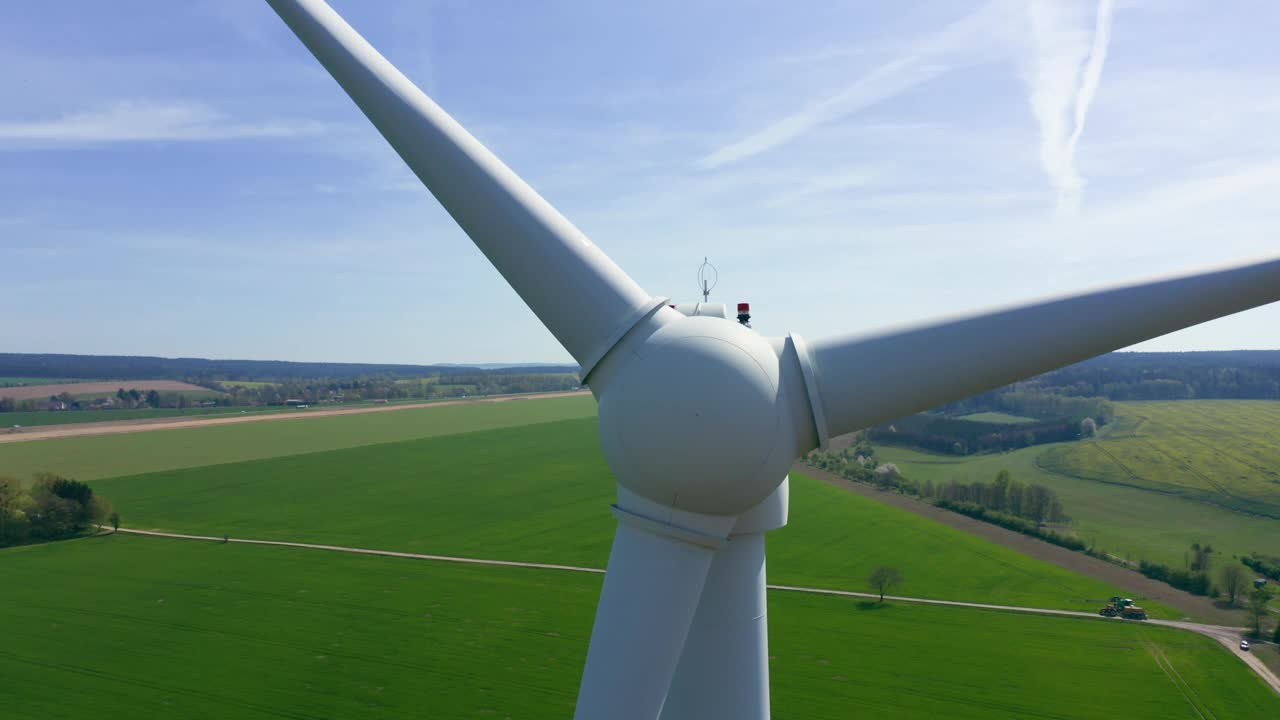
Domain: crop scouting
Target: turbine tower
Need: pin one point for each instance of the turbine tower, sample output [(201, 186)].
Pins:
[(701, 417)]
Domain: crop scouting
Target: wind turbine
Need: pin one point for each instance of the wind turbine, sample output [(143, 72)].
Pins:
[(700, 417)]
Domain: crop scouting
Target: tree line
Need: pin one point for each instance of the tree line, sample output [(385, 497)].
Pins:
[(323, 390), (1026, 508), (384, 387), (1237, 374), (50, 507), (1029, 400), (1004, 494), (951, 436), (127, 367), (1267, 566)]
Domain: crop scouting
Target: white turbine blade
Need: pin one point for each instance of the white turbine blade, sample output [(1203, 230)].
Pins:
[(866, 379), (650, 595), (583, 298)]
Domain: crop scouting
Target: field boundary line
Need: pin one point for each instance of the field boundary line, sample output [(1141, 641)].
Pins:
[(365, 551), (1217, 632), (598, 571)]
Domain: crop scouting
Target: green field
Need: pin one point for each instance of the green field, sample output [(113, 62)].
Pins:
[(1225, 452), (91, 457), (190, 395), (545, 490), (997, 417), (166, 628), (247, 383), (13, 381), (143, 627), (66, 417), (1124, 519)]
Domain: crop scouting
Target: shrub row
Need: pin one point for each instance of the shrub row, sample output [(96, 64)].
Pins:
[(1194, 582), (1015, 523), (1266, 566)]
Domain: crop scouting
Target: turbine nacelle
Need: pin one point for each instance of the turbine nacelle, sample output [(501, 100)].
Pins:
[(694, 414)]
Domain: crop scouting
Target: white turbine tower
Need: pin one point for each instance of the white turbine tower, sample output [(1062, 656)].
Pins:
[(700, 417)]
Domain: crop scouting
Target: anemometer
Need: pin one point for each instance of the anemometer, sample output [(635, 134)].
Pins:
[(708, 276)]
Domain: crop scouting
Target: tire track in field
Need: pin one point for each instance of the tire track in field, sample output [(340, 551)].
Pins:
[(1233, 502), (1195, 472), (1183, 492), (1140, 482), (1179, 462), (1119, 463), (1216, 451), (1175, 677)]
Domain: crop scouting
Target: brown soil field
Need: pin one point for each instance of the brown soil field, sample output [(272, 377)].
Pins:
[(38, 392)]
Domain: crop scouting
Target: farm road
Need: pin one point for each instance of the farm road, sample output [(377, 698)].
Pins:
[(1229, 637), (115, 427)]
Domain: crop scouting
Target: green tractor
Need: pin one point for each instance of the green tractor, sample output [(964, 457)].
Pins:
[(1123, 608)]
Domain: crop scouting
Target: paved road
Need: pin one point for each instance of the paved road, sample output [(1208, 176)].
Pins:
[(1228, 636), (115, 427)]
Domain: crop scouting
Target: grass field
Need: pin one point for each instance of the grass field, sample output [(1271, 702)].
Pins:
[(1225, 452), (142, 627), (12, 381), (1125, 519), (997, 417), (194, 395), (92, 457), (544, 491), (160, 628), (66, 417)]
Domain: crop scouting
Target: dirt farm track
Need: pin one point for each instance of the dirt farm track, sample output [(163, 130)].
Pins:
[(37, 392)]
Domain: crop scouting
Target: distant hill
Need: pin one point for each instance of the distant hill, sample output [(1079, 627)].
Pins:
[(507, 366), (1126, 376), (1234, 374), (125, 367)]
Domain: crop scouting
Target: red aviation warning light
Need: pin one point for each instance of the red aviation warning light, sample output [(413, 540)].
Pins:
[(744, 313)]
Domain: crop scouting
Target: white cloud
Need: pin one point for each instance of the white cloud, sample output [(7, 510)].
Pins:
[(1065, 69), (149, 121)]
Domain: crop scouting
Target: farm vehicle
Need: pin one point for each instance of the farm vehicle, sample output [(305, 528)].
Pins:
[(1123, 608)]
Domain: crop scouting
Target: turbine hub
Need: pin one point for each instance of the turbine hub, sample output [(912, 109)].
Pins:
[(693, 420)]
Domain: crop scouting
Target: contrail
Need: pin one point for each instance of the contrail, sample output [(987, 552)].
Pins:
[(1093, 70), (1062, 90), (1088, 88), (965, 41)]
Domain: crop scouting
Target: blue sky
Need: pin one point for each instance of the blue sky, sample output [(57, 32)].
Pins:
[(182, 179)]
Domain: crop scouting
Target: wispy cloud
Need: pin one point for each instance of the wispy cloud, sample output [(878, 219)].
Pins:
[(963, 42), (1066, 68), (148, 121)]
